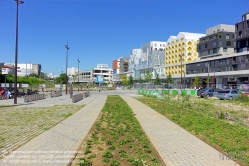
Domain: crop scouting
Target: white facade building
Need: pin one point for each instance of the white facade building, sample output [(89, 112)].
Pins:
[(26, 69), (104, 71)]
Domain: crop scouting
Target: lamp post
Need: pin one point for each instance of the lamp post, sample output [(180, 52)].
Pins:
[(181, 69), (16, 51), (67, 47), (78, 72)]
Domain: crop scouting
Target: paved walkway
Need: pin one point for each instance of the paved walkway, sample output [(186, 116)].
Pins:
[(176, 146), (59, 144)]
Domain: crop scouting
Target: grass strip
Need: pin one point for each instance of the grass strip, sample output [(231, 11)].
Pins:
[(229, 138), (117, 139)]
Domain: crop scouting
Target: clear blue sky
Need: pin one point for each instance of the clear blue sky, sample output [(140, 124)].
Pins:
[(100, 31)]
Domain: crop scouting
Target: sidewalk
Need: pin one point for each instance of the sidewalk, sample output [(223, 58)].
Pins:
[(58, 145), (176, 146)]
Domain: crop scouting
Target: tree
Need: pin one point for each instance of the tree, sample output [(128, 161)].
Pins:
[(44, 76), (62, 79), (131, 81), (124, 79), (140, 81), (157, 80), (147, 77), (196, 81), (169, 79), (34, 75)]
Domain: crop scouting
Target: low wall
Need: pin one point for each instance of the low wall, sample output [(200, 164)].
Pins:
[(77, 97), (35, 97), (191, 92), (56, 94)]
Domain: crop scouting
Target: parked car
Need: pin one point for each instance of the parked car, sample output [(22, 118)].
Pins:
[(199, 91), (228, 94), (216, 91), (209, 92)]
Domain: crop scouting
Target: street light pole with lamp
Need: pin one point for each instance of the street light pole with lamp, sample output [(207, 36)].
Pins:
[(18, 2), (78, 72), (67, 47)]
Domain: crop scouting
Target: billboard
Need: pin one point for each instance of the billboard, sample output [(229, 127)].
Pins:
[(99, 79)]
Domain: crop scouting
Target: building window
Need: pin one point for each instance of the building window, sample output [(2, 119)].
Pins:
[(240, 34), (220, 43), (227, 36), (199, 47), (214, 44), (206, 45), (155, 45), (228, 43), (215, 51), (224, 49), (233, 36)]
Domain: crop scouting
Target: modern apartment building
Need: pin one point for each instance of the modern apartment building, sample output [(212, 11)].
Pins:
[(181, 49), (242, 34), (135, 62), (223, 71), (152, 55), (219, 40)]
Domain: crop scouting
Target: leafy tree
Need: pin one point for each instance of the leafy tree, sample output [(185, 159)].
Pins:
[(131, 80), (124, 79), (157, 80), (140, 81), (44, 76), (169, 79), (147, 77), (62, 79), (33, 75), (196, 81)]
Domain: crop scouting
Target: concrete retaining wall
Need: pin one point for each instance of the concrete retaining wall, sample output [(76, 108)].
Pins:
[(34, 97)]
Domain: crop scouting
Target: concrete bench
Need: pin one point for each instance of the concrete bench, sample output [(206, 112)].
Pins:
[(56, 94), (77, 97), (86, 94)]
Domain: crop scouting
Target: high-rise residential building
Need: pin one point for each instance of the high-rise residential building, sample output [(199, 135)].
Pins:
[(151, 56), (124, 61), (134, 62), (242, 34), (219, 40), (180, 50)]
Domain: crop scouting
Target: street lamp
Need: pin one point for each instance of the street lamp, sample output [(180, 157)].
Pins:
[(16, 51), (181, 69), (78, 72), (67, 47)]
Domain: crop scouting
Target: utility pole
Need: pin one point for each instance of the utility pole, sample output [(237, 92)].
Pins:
[(208, 75), (181, 69), (78, 72), (16, 51), (67, 47)]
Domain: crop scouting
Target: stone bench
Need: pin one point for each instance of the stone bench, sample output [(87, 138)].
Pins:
[(77, 97), (86, 94)]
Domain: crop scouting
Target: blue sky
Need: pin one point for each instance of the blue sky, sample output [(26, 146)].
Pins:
[(100, 31)]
